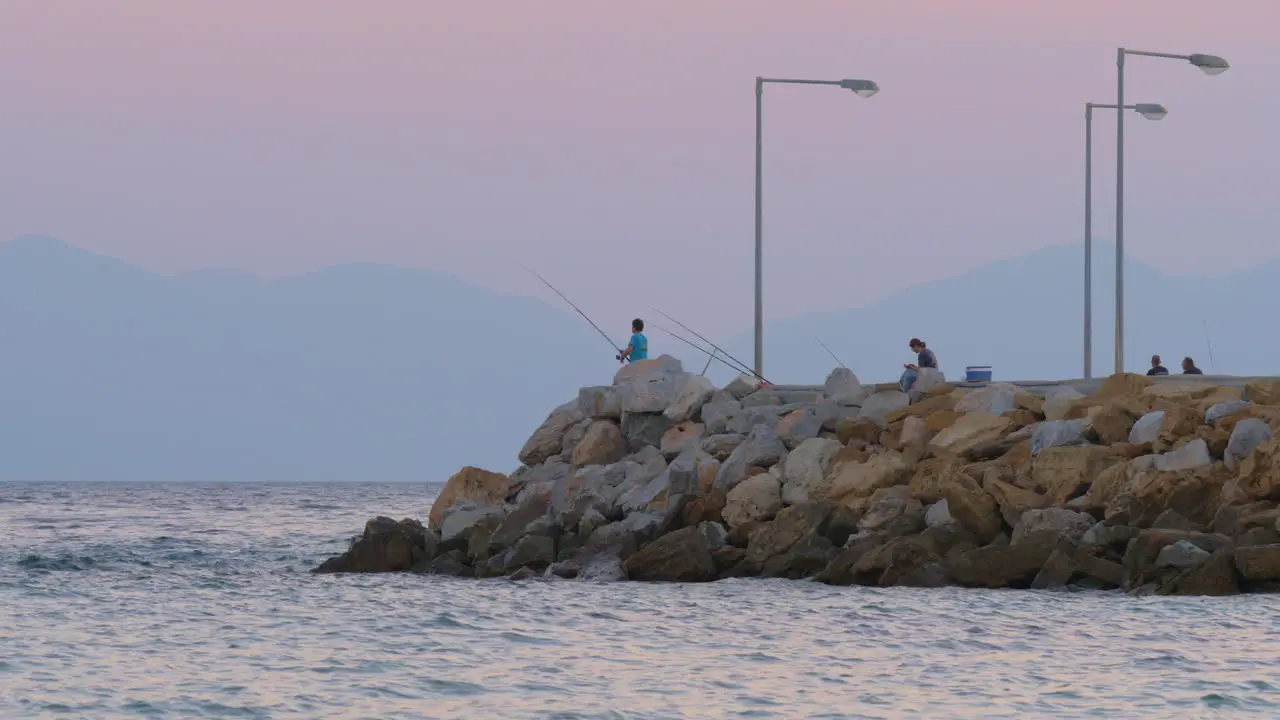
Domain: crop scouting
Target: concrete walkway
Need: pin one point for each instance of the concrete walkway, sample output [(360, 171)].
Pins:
[(1085, 387)]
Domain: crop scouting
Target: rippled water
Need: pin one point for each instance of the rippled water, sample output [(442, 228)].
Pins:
[(191, 601)]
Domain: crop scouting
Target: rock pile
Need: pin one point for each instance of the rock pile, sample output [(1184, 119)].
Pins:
[(1164, 487)]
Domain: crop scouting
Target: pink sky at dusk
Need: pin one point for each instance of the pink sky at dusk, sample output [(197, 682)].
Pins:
[(610, 144)]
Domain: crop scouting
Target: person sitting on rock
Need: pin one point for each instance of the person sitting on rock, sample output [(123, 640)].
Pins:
[(1189, 367), (638, 347), (1156, 367), (924, 359)]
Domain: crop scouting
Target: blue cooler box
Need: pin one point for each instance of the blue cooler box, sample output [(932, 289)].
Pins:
[(977, 373)]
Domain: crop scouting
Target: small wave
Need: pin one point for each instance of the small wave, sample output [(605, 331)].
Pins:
[(62, 562)]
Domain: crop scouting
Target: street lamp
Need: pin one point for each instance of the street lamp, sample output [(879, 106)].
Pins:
[(1211, 65), (1150, 111), (861, 88)]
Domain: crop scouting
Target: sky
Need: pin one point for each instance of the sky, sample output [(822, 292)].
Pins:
[(610, 145)]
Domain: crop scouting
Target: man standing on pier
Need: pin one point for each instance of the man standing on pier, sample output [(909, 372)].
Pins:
[(1189, 367)]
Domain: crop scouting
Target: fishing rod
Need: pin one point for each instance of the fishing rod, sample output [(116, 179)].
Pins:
[(607, 339), (741, 365), (1209, 345), (711, 354), (830, 352)]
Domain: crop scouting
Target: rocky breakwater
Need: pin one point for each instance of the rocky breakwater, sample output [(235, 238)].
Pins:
[(1151, 487)]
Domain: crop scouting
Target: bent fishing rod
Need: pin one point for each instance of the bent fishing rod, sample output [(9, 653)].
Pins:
[(607, 339), (711, 354), (741, 365), (830, 352)]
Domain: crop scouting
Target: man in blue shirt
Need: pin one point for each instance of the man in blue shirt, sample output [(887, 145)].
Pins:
[(638, 347)]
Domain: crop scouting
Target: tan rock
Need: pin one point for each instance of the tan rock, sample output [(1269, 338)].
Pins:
[(850, 481), (603, 444), (935, 423), (1260, 563), (863, 429), (1012, 500), (1121, 385), (971, 431), (756, 499), (1064, 473), (971, 506), (929, 405), (677, 439), (1263, 392), (1109, 483), (1024, 400), (925, 483), (1259, 477), (1194, 494), (470, 483), (1109, 424), (914, 433)]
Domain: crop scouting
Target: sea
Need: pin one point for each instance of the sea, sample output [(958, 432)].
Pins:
[(196, 601)]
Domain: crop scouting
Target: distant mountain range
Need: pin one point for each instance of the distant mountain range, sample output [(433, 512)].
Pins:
[(1024, 316), (357, 372), (369, 372)]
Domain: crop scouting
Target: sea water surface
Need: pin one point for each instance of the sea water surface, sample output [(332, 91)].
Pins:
[(195, 601)]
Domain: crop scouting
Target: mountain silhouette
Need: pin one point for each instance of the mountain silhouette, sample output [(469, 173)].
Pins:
[(1024, 316), (356, 372)]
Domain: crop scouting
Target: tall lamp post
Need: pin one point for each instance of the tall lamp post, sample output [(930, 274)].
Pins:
[(1150, 111), (1211, 65), (862, 88)]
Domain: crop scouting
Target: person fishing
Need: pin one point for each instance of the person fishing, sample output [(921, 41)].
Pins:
[(924, 359), (638, 346)]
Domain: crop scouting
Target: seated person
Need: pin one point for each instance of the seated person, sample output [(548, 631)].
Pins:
[(924, 359)]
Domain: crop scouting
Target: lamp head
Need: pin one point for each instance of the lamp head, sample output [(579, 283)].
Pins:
[(861, 88), (1210, 64), (1151, 111)]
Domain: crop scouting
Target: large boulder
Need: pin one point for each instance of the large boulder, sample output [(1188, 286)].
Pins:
[(995, 399), (1057, 433), (892, 512), (385, 546), (681, 437), (792, 523), (971, 506), (804, 424), (850, 481), (1067, 523), (999, 565), (462, 520), (532, 517), (1147, 428), (718, 411), (600, 402), (1064, 473), (648, 370), (762, 448), (876, 407), (1259, 477), (757, 498), (1224, 409), (1109, 423), (971, 431), (804, 472), (842, 388), (1059, 401), (680, 556), (1259, 563), (1192, 456), (1192, 494), (470, 484), (696, 392), (548, 439), (742, 386), (601, 445), (644, 430), (927, 380), (1012, 500), (1246, 436), (747, 418), (722, 446)]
